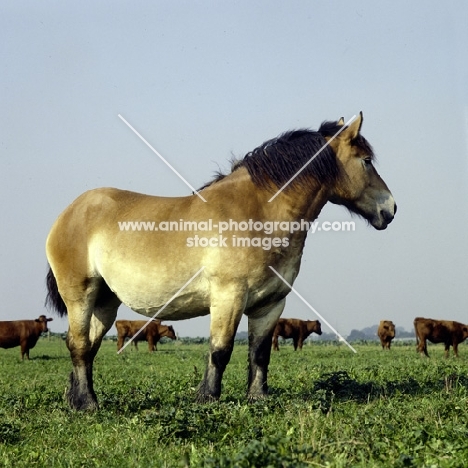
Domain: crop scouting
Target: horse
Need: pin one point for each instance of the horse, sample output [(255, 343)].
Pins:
[(95, 265)]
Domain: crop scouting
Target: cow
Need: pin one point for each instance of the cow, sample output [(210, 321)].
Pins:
[(24, 333), (151, 333), (448, 332), (296, 329), (386, 333)]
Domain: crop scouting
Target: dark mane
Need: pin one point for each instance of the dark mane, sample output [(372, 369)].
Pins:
[(218, 176), (235, 164), (279, 159)]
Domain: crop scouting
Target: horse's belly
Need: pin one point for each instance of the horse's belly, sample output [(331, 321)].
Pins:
[(172, 313), (166, 282), (181, 307), (163, 297)]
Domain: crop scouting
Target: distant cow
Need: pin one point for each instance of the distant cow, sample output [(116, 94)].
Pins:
[(439, 331), (151, 333), (386, 333), (296, 329), (24, 333)]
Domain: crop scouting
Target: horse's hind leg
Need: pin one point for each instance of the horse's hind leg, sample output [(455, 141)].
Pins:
[(261, 328), (89, 320)]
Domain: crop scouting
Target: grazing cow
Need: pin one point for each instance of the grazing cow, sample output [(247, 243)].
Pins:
[(448, 332), (296, 329), (24, 333), (386, 333), (151, 333)]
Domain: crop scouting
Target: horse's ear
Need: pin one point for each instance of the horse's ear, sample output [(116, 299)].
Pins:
[(341, 121), (354, 127)]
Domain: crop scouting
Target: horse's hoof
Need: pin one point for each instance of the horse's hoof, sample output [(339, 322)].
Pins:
[(82, 403), (254, 397), (201, 398)]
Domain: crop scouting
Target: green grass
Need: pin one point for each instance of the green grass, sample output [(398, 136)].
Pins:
[(327, 407)]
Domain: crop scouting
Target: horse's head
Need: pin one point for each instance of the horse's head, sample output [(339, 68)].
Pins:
[(359, 187)]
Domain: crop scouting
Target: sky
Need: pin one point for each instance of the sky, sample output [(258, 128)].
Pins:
[(204, 81)]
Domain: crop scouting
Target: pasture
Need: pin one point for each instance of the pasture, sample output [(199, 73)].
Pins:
[(327, 407)]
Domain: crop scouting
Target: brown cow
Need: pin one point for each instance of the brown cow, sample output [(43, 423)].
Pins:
[(296, 329), (386, 333), (448, 332), (151, 333), (24, 333)]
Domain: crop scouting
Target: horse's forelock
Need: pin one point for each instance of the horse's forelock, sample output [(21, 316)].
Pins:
[(329, 129), (364, 146)]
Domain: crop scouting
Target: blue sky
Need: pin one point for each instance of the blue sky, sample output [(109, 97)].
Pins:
[(205, 81)]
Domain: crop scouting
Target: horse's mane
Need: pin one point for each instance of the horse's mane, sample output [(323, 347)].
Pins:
[(279, 159)]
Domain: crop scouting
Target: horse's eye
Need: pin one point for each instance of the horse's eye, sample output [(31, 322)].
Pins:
[(367, 161)]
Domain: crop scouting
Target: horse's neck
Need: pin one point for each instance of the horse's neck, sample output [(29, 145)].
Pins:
[(299, 203), (292, 204)]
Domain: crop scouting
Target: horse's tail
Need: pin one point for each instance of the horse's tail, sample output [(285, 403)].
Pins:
[(54, 299)]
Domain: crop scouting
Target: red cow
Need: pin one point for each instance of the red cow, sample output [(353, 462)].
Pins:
[(386, 333), (439, 331), (296, 329), (24, 333), (151, 333)]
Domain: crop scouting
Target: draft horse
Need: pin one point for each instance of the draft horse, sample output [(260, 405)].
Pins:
[(95, 265)]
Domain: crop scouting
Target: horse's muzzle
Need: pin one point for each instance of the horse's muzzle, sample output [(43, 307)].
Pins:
[(385, 218)]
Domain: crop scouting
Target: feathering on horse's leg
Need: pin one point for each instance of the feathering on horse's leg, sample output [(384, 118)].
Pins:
[(226, 311), (81, 394), (88, 323), (261, 328)]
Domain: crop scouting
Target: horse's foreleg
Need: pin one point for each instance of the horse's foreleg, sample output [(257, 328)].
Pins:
[(220, 354), (226, 311), (261, 328)]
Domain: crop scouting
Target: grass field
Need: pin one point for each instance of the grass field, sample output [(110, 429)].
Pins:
[(327, 407)]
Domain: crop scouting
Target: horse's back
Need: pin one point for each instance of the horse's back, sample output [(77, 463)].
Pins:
[(98, 217)]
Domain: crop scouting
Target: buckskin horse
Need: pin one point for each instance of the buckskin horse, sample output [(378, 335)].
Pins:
[(95, 266)]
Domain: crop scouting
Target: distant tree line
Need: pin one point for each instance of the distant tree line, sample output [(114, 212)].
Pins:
[(370, 333), (366, 334)]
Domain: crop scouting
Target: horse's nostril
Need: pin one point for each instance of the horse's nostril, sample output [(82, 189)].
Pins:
[(394, 210), (387, 216)]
